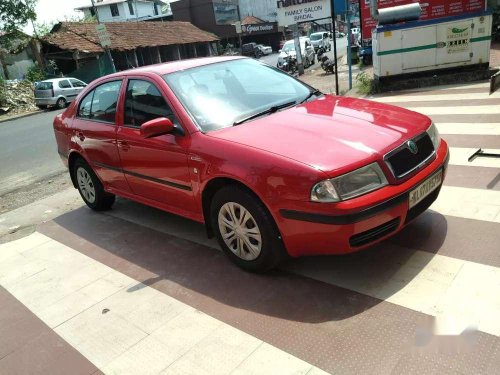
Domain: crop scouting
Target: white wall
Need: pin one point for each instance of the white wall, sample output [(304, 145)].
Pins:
[(141, 10)]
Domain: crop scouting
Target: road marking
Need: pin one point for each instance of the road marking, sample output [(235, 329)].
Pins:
[(435, 97), (465, 110), (421, 281), (460, 156), (468, 128), (477, 204), (119, 324)]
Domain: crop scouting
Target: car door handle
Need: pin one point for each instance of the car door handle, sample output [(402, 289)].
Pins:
[(123, 145), (81, 136)]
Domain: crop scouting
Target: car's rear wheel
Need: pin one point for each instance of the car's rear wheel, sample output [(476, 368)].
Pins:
[(245, 230), (90, 188), (61, 103)]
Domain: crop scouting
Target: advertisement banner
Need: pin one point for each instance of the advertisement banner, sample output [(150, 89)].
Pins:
[(430, 9), (458, 38), (291, 12), (226, 12)]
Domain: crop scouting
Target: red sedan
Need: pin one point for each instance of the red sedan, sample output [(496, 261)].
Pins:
[(270, 165)]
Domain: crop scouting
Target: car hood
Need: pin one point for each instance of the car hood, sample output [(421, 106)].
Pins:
[(330, 133), (291, 53)]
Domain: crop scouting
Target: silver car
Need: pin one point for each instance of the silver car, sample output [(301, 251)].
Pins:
[(57, 92)]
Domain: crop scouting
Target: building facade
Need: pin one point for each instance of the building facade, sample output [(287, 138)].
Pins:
[(127, 10)]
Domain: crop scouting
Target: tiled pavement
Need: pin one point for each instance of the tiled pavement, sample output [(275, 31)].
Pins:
[(139, 291)]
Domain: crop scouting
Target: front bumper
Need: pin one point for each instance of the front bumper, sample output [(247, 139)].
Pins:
[(311, 228)]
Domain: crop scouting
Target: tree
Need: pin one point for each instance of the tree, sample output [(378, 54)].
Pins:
[(14, 15)]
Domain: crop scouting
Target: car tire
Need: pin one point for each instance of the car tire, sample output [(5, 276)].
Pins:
[(61, 103), (90, 187), (261, 249)]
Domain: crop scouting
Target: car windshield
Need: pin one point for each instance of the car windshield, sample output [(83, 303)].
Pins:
[(316, 36), (289, 47), (44, 86), (221, 94)]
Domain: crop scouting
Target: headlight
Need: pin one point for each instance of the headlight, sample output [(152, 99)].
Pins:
[(349, 185), (434, 135)]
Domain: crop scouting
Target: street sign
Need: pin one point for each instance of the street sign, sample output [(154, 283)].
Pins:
[(102, 34), (430, 9), (237, 25), (290, 13)]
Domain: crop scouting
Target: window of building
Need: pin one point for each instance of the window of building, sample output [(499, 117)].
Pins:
[(114, 10), (100, 103), (131, 8), (144, 102)]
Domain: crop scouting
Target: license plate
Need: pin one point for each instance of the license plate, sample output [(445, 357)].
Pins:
[(425, 188)]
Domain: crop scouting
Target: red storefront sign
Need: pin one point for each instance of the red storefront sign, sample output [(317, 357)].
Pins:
[(430, 9)]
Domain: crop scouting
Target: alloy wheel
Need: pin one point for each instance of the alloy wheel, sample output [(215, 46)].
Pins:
[(240, 231), (85, 184)]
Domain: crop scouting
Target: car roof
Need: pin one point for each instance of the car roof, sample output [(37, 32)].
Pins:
[(178, 65), (59, 79)]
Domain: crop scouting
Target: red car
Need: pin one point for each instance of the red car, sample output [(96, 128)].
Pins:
[(270, 165)]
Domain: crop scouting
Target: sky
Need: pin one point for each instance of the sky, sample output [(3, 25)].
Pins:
[(49, 11)]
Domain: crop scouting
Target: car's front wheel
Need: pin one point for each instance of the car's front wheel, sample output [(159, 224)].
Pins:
[(90, 188), (245, 230)]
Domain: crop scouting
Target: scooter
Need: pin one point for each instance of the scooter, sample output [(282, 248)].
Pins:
[(327, 64), (289, 65)]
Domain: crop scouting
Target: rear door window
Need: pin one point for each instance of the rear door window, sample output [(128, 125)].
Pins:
[(77, 83), (64, 84), (100, 103)]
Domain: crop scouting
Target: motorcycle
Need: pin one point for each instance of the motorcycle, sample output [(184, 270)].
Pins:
[(327, 64), (289, 65), (320, 52)]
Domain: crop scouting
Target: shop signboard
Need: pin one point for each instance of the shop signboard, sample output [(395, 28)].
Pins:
[(259, 28), (430, 9), (292, 12)]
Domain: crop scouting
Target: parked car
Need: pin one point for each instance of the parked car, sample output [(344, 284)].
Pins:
[(57, 92), (251, 50), (271, 166), (321, 40), (308, 54), (265, 50)]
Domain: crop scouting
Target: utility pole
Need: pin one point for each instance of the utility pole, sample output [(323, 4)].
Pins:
[(108, 52), (335, 49), (349, 57)]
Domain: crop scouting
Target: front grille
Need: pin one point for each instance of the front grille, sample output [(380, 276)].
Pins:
[(421, 206), (374, 234), (402, 161)]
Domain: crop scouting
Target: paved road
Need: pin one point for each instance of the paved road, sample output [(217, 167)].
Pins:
[(341, 51), (28, 151)]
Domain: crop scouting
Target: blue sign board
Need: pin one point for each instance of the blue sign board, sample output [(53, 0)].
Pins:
[(339, 6)]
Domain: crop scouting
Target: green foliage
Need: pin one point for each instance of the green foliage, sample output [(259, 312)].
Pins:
[(365, 84), (35, 74), (14, 15)]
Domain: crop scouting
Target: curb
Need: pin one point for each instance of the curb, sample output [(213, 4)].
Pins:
[(16, 117)]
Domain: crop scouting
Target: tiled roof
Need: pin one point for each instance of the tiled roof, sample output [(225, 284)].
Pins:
[(251, 20), (126, 35)]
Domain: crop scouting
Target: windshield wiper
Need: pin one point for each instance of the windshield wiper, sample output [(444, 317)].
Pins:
[(313, 92), (273, 109)]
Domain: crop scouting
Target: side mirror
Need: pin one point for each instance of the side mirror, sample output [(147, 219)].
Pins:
[(156, 127)]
